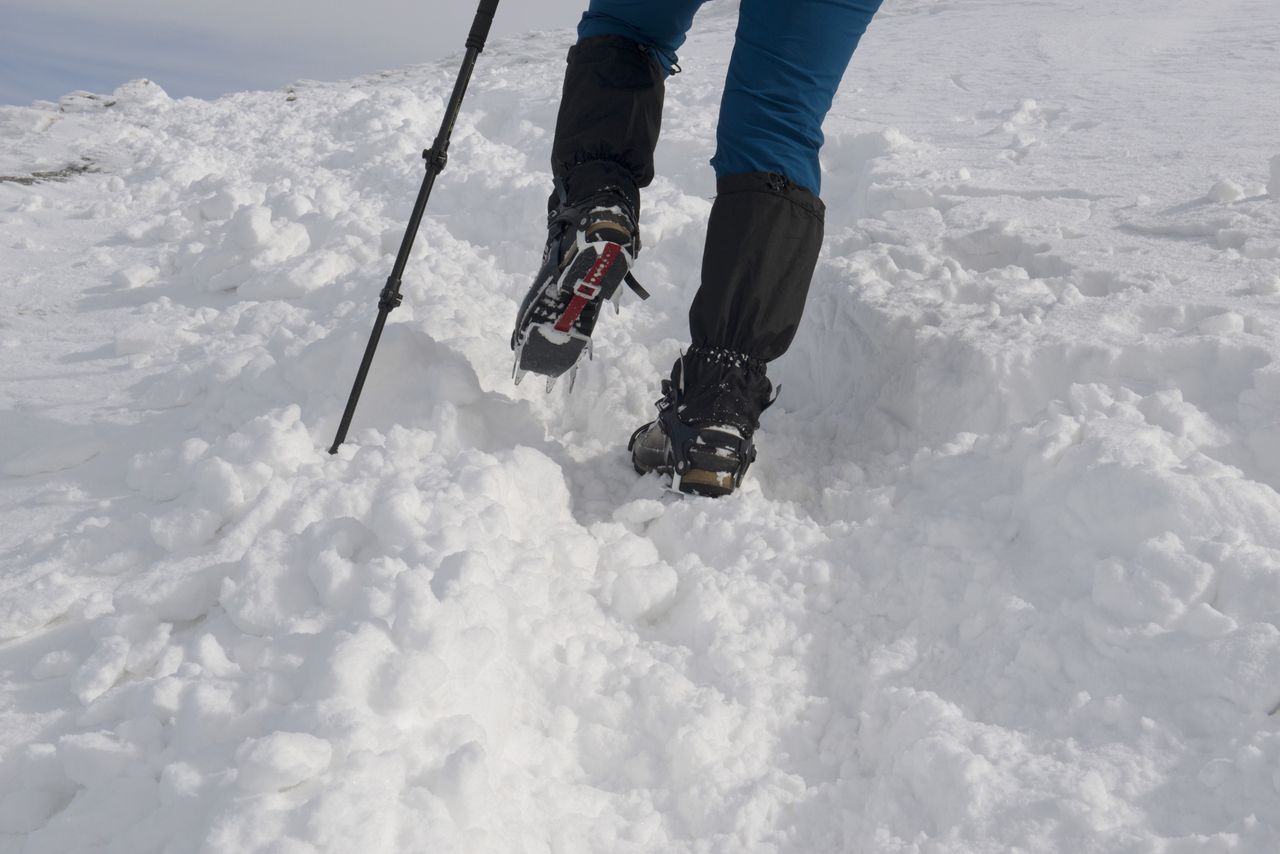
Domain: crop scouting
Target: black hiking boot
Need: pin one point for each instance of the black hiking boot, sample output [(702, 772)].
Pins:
[(707, 418), (591, 246)]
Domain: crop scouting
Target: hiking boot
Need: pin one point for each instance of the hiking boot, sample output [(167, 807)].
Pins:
[(591, 245), (707, 418)]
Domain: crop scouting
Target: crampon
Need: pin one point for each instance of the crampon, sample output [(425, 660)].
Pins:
[(590, 251)]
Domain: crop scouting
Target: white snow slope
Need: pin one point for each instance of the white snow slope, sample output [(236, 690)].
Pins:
[(1005, 578)]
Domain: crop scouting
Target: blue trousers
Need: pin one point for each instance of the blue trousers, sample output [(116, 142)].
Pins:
[(788, 59)]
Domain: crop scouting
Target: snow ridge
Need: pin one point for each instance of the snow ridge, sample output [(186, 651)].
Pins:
[(1006, 577)]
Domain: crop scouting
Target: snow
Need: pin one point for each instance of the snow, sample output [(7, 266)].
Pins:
[(1006, 576)]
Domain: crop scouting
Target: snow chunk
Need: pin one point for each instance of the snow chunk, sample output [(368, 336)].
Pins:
[(464, 784), (461, 571), (250, 227), (640, 592), (141, 93), (638, 584), (1226, 191), (224, 203), (1205, 621), (281, 760), (253, 230), (135, 276), (1226, 323), (185, 528), (101, 670), (1266, 285), (94, 758)]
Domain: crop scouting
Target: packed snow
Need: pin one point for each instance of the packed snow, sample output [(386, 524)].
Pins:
[(1006, 576)]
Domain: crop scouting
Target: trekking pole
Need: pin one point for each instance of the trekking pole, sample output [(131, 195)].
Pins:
[(436, 156)]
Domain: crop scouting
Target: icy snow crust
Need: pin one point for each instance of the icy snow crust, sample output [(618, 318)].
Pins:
[(1006, 577)]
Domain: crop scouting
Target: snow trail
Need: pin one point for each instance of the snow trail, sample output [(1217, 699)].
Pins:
[(1006, 576)]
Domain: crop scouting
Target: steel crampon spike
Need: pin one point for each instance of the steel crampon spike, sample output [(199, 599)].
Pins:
[(551, 383), (573, 377), (518, 375)]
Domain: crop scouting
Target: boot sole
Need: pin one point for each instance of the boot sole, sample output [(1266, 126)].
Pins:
[(594, 274)]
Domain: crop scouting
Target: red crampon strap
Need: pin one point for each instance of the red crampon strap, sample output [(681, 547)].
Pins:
[(587, 289)]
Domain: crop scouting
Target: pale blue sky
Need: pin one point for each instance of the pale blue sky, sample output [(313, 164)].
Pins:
[(202, 48)]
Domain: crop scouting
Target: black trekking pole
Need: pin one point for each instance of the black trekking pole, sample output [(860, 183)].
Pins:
[(436, 156)]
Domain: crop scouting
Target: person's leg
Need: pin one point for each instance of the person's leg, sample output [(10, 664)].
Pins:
[(762, 239), (788, 60), (601, 155), (766, 222), (611, 107)]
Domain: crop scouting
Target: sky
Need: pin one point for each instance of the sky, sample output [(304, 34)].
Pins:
[(205, 49)]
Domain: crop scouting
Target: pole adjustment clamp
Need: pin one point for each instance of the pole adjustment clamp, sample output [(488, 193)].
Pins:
[(390, 298), (436, 156)]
